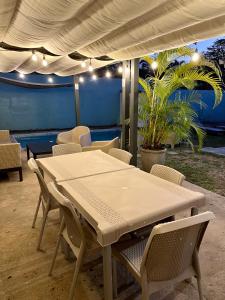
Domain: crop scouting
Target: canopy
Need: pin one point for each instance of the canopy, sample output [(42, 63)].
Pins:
[(67, 32)]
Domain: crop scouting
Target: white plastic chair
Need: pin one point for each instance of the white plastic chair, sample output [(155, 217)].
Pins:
[(105, 146), (167, 173), (66, 149), (47, 200), (79, 236), (168, 256), (72, 136), (120, 154)]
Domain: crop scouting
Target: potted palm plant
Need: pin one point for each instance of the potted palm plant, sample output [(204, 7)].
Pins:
[(162, 119)]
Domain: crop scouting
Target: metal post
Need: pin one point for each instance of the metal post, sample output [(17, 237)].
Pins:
[(134, 109), (77, 100), (125, 104)]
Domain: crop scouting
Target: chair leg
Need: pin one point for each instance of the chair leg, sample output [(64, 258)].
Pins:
[(20, 174), (114, 265), (36, 211), (75, 275), (200, 288), (43, 226)]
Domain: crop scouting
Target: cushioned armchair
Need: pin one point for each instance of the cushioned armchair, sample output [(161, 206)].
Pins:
[(72, 136), (10, 154)]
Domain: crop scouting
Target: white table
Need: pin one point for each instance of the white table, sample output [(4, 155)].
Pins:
[(71, 166), (115, 203)]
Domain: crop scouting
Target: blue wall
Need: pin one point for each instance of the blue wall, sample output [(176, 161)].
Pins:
[(48, 108)]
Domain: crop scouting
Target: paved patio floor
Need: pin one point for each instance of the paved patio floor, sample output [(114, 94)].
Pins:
[(23, 270)]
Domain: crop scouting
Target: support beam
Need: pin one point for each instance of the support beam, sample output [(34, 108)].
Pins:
[(125, 104), (77, 100), (134, 109)]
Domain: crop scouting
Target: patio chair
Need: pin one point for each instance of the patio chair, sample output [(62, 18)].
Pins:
[(72, 136), (120, 154), (66, 149), (78, 235), (167, 173), (168, 256), (105, 146), (47, 200), (10, 154)]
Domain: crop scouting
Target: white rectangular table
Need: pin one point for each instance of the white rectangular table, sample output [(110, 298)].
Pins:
[(115, 203), (71, 166)]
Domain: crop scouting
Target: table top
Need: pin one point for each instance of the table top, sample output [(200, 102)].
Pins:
[(40, 147), (119, 202), (76, 165)]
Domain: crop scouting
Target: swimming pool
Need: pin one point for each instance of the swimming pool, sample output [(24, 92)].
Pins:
[(96, 135)]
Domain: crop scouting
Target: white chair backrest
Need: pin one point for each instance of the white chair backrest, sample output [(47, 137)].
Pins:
[(44, 189), (171, 247), (77, 132), (120, 154), (66, 149), (71, 219), (167, 173)]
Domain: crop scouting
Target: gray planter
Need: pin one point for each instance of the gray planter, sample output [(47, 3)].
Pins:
[(151, 157)]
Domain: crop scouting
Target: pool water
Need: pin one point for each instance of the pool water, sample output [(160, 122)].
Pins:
[(96, 135)]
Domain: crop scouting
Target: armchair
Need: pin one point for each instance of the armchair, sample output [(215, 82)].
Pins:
[(72, 136)]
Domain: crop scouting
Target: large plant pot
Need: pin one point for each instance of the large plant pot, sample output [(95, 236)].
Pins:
[(151, 157)]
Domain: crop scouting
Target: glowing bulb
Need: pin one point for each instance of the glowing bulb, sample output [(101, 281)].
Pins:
[(81, 79), (21, 75), (90, 68), (195, 57), (108, 74), (94, 77), (83, 64), (120, 69), (34, 56), (50, 79), (154, 65), (44, 62)]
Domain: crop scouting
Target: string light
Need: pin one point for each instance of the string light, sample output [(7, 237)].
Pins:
[(90, 68), (94, 77), (44, 62), (120, 69), (154, 65), (195, 57), (83, 64), (81, 79), (21, 75), (108, 74), (34, 56), (50, 79)]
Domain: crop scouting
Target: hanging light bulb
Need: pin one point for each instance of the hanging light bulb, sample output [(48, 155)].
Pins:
[(34, 56), (21, 75), (83, 64), (120, 69), (195, 57), (50, 79), (108, 74), (44, 62), (81, 79), (154, 65), (94, 77), (90, 68)]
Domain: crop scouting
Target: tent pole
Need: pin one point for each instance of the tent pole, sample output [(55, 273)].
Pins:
[(77, 99), (125, 104)]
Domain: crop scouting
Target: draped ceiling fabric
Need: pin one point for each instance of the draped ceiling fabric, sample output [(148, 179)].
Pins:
[(68, 31)]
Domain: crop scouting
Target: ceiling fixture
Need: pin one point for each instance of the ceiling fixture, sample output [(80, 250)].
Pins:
[(94, 77), (34, 56), (108, 74), (81, 79), (90, 68), (21, 75), (120, 69), (83, 64), (44, 62), (154, 65), (50, 79)]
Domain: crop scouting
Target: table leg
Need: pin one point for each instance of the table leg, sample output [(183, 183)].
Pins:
[(28, 153), (107, 271), (194, 211)]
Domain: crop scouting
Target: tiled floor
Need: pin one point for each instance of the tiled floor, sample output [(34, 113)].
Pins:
[(23, 270)]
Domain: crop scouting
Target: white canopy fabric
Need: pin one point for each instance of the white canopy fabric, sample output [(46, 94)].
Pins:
[(119, 29)]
